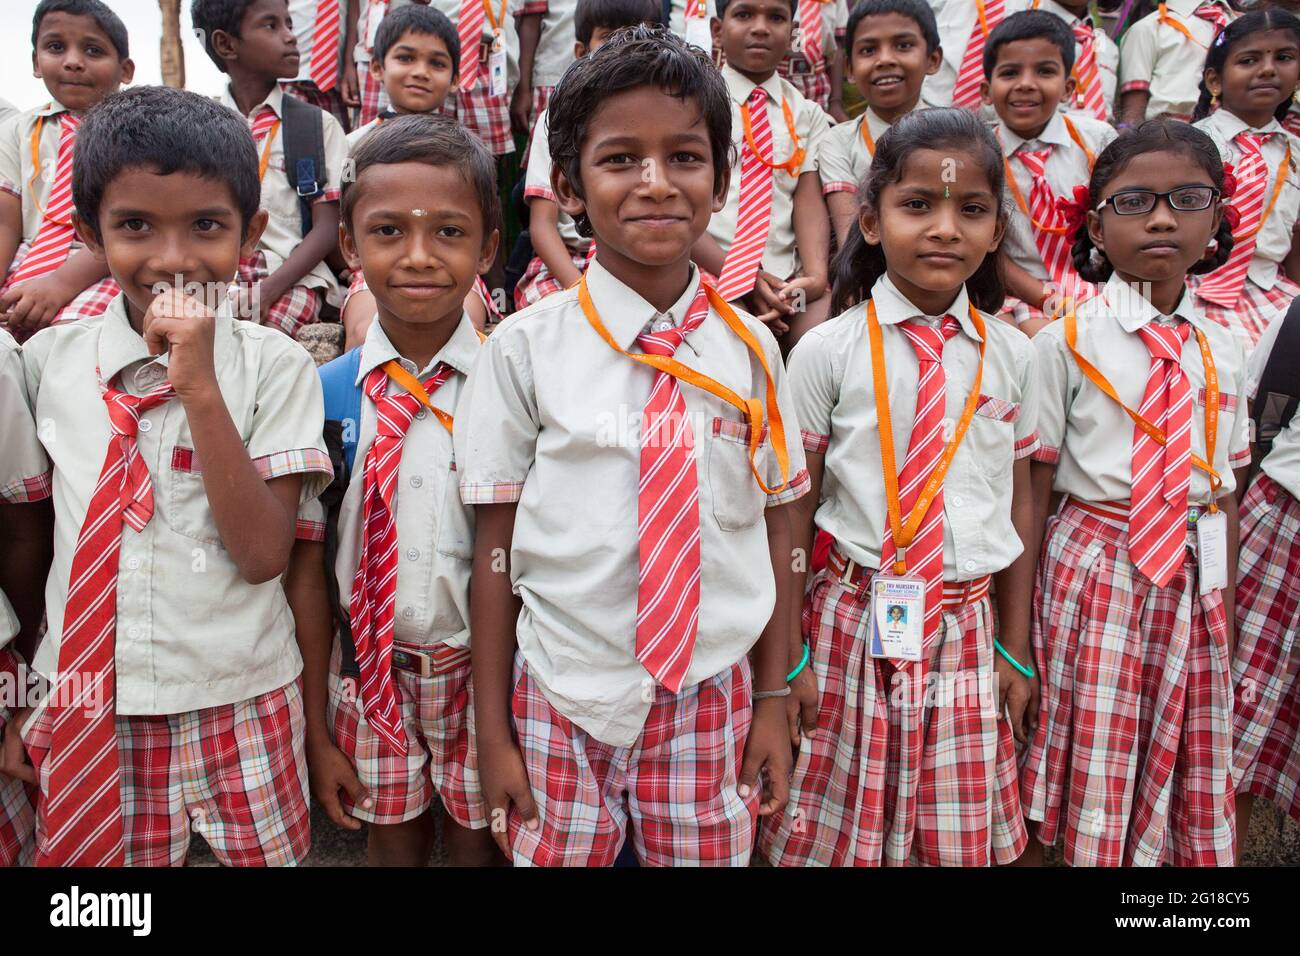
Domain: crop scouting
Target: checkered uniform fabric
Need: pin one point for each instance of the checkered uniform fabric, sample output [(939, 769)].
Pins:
[(967, 804), (90, 302), (537, 282), (1254, 309), (331, 102), (676, 784), (1266, 667), (298, 307), (1130, 762), (437, 716), (815, 86), (484, 115), (372, 96), (17, 798), (235, 774)]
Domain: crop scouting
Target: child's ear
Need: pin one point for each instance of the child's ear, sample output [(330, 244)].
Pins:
[(36, 70), (985, 97), (128, 71), (566, 197), (89, 238), (869, 225), (488, 254), (223, 45), (715, 28), (1213, 83), (377, 69), (998, 234), (723, 187), (934, 62), (1070, 86), (1094, 229), (579, 49), (348, 246), (253, 234)]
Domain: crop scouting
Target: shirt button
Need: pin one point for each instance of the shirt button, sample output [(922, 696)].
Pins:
[(412, 554), (133, 564), (416, 481), (957, 501), (970, 565), (133, 632), (146, 425), (408, 612), (422, 414)]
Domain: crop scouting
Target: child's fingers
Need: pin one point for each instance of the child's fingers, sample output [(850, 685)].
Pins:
[(13, 757), (523, 801), (792, 719), (500, 810), (776, 793), (809, 712), (357, 791)]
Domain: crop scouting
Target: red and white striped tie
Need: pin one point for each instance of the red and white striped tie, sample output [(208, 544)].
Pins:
[(1157, 524), (1214, 14), (810, 31), (261, 123), (54, 239), (1088, 93), (325, 53), (470, 28), (374, 586), (668, 517), (966, 92), (82, 816), (1054, 248), (1223, 286), (740, 268)]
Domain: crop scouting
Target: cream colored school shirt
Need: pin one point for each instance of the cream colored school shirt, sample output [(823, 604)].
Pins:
[(284, 230), (435, 531), (191, 633), (19, 176), (1282, 463), (834, 397), (1066, 167), (537, 185), (24, 468), (844, 158), (780, 255), (370, 14), (7, 110), (1273, 241), (956, 19), (553, 424), (1160, 59), (555, 43), (1089, 437), (1104, 50)]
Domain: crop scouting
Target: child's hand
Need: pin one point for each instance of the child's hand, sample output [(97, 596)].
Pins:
[(800, 291), (34, 304), (350, 88), (504, 781), (801, 706), (521, 106), (248, 302), (13, 755), (1018, 696), (330, 771), (183, 326), (768, 306), (767, 753)]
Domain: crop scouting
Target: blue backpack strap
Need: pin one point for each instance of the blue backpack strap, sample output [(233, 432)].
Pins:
[(338, 379)]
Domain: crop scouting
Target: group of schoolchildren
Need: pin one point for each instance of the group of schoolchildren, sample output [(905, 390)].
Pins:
[(870, 491)]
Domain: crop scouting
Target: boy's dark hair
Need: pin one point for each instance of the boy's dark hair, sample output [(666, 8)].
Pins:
[(916, 10), (428, 21), (1160, 136), (166, 131), (612, 15), (1258, 21), (721, 7), (104, 18), (859, 264), (209, 16), (434, 140), (633, 58), (1029, 25)]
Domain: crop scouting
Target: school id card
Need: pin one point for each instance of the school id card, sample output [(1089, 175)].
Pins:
[(1212, 550), (897, 617), (497, 68)]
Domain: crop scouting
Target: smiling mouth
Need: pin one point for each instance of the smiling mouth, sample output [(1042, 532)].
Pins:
[(887, 81)]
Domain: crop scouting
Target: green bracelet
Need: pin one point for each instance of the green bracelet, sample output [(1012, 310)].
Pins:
[(798, 670), (1028, 672)]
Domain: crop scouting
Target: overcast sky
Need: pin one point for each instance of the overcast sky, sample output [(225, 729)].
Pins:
[(143, 23)]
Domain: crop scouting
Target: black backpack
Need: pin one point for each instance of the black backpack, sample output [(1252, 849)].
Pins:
[(1279, 387), (304, 153)]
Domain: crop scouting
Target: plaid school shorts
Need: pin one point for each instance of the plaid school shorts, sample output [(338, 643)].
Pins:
[(234, 774), (373, 98), (17, 798), (852, 803), (1266, 667), (331, 102), (815, 85), (1254, 310), (1131, 761), (298, 307), (441, 757), (92, 301), (676, 784), (484, 115), (537, 282)]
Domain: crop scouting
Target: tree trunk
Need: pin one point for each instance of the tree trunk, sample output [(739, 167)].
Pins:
[(172, 54)]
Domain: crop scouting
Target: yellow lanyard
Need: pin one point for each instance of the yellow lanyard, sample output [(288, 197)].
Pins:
[(751, 408), (795, 161), (1153, 431), (904, 534), (1019, 196)]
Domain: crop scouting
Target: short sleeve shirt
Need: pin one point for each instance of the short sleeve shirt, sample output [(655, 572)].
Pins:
[(1159, 58), (845, 154), (1282, 463), (537, 185), (1104, 49), (19, 175), (956, 19)]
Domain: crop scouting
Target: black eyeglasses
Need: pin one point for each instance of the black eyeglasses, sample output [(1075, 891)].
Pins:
[(1136, 202)]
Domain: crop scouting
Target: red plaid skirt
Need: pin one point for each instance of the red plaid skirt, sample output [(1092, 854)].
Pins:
[(677, 783), (441, 757), (1266, 668), (848, 799), (92, 301), (235, 774), (298, 307), (372, 96), (17, 799), (484, 115), (537, 282), (1254, 310), (1130, 763)]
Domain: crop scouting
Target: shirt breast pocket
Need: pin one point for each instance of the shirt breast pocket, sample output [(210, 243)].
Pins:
[(278, 197), (737, 500), (188, 510), (993, 435), (455, 520), (1227, 412)]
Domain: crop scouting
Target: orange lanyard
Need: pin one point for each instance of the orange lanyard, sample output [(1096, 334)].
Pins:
[(984, 20), (751, 408), (1277, 191), (413, 385), (904, 534), (1154, 432), (1019, 196), (792, 164), (867, 139), (695, 8), (1162, 16), (266, 151), (494, 19)]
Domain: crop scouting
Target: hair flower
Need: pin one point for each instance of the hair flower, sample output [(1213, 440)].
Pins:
[(1232, 217), (1074, 211), (1229, 182)]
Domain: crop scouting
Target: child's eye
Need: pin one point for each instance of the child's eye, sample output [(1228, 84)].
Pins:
[(207, 225), (906, 45), (917, 204), (134, 225), (54, 46), (387, 230), (451, 232), (404, 58), (974, 209), (621, 159), (94, 51), (684, 156)]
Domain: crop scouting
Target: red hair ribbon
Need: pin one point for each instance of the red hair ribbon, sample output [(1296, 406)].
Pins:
[(1074, 211), (1229, 182)]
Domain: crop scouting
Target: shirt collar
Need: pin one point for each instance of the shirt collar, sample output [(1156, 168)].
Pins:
[(121, 346), (875, 125), (894, 308), (1060, 11), (1132, 310), (1053, 134), (52, 108), (1230, 124), (274, 99), (459, 351), (1187, 8), (624, 313), (741, 87)]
